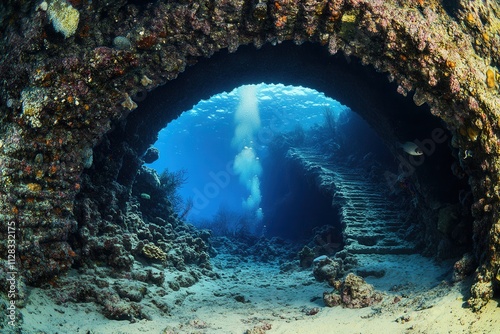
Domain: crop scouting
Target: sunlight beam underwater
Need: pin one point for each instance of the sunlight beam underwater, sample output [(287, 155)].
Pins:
[(246, 163)]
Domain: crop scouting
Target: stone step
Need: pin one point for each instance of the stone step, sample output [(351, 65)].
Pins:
[(370, 222), (360, 249)]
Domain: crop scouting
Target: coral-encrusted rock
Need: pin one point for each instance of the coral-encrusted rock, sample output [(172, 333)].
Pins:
[(151, 155), (260, 329), (118, 301), (353, 292), (464, 267), (306, 257), (61, 94), (327, 240), (326, 269), (153, 252), (332, 299)]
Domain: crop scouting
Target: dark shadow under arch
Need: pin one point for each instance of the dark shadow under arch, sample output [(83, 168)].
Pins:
[(361, 88), (367, 92)]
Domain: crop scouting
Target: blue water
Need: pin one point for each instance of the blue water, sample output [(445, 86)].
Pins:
[(239, 125)]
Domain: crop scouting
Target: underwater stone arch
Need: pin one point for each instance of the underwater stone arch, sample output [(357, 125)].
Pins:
[(62, 92), (359, 87)]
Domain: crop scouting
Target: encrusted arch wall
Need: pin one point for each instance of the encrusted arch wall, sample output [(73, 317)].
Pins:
[(396, 118), (69, 69), (309, 65)]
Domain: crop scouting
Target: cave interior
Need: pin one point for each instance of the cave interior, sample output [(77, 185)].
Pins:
[(432, 182)]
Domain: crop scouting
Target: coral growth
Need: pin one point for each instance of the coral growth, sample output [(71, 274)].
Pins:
[(66, 84), (154, 252), (64, 17), (326, 241), (326, 269), (464, 267), (353, 292)]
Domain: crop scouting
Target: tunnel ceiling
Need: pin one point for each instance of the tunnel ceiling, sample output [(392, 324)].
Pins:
[(309, 65), (69, 70)]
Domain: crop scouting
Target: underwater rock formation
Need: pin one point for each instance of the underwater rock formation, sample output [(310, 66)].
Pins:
[(353, 292), (63, 91), (326, 269)]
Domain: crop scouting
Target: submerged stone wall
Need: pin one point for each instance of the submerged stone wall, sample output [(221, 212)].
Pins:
[(70, 67)]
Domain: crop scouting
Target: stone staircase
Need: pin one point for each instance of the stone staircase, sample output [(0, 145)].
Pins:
[(371, 223)]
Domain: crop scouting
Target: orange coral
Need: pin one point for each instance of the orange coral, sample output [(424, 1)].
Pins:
[(470, 18), (281, 21), (490, 78), (35, 187), (52, 169)]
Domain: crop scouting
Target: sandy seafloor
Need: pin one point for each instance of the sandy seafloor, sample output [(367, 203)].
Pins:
[(256, 296)]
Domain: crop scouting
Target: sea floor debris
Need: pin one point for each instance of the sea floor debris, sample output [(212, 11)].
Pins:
[(252, 295)]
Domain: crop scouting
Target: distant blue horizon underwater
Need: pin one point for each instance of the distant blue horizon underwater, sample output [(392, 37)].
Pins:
[(222, 142)]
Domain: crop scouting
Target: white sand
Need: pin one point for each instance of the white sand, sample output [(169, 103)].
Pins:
[(280, 301)]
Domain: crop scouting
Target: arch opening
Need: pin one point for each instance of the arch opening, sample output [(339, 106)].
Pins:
[(397, 178), (393, 117), (64, 88), (206, 143), (105, 226), (120, 156)]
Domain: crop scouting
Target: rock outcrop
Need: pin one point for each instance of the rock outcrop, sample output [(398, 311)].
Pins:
[(63, 91)]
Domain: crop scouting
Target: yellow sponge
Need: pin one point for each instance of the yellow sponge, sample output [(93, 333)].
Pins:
[(64, 17)]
